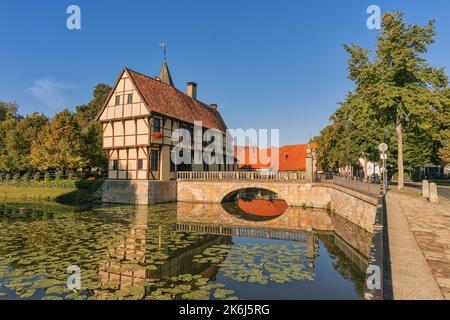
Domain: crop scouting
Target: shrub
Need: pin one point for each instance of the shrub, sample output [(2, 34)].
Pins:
[(90, 185), (26, 177), (16, 177), (58, 176), (71, 176), (7, 177), (37, 176), (47, 176)]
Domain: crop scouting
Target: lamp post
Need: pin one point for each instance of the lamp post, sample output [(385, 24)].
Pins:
[(383, 148)]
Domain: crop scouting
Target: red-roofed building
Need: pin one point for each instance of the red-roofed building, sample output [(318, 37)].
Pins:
[(138, 120), (286, 158)]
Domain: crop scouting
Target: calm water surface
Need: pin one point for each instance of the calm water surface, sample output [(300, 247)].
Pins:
[(179, 251)]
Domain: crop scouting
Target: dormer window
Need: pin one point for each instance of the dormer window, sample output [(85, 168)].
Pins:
[(117, 100)]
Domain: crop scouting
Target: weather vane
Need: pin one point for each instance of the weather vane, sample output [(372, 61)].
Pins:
[(162, 45)]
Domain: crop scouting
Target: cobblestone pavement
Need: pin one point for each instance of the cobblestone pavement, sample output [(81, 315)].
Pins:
[(443, 191), (418, 231)]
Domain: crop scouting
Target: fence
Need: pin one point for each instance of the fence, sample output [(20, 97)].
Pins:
[(37, 176), (352, 183), (243, 175)]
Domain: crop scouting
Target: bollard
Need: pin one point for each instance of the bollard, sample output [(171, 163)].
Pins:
[(433, 193), (425, 189)]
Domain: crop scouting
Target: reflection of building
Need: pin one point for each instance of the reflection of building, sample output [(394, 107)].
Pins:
[(132, 260), (139, 118)]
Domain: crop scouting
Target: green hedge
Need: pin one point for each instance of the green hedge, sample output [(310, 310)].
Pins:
[(84, 184)]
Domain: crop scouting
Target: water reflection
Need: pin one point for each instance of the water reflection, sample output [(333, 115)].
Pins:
[(179, 251), (254, 204)]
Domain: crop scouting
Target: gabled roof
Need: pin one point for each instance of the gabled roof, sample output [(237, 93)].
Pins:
[(167, 100)]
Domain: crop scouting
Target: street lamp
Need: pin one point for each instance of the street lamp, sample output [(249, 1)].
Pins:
[(383, 147)]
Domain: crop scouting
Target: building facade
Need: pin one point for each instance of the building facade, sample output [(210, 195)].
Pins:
[(140, 120)]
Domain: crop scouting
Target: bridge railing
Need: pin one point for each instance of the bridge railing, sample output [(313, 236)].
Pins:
[(353, 183), (242, 175)]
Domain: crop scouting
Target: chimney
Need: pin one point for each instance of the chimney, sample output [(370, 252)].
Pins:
[(192, 90), (213, 106)]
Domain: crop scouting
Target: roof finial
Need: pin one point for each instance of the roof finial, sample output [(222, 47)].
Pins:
[(162, 45)]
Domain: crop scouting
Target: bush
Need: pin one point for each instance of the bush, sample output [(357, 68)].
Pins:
[(26, 177), (16, 177), (71, 176), (90, 185), (47, 177), (7, 177), (37, 176), (58, 176)]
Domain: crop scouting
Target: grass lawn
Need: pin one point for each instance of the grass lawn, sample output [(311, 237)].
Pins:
[(32, 193)]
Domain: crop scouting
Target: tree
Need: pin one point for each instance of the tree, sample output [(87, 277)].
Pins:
[(91, 129), (398, 85), (8, 117), (442, 134), (59, 144), (87, 113), (19, 135), (7, 111)]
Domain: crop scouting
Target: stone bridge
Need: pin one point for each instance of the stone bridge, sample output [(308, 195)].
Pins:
[(213, 187)]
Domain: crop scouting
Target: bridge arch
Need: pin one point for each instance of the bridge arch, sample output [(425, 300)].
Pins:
[(242, 186)]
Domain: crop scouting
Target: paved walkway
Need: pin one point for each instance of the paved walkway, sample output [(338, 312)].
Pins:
[(443, 191), (419, 245)]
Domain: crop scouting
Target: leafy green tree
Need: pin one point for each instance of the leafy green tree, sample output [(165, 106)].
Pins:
[(7, 111), (87, 113), (59, 144), (442, 128), (91, 129), (19, 134), (396, 92)]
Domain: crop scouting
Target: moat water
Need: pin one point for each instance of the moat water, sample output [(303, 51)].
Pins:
[(180, 251)]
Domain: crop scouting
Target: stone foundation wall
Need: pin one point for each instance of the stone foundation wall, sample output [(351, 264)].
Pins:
[(141, 192)]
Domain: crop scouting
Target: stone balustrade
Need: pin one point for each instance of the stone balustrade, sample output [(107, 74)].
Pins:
[(242, 176)]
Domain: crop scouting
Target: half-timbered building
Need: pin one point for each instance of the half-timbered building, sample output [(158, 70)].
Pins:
[(138, 120)]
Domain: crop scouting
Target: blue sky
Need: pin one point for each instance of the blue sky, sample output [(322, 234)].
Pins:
[(267, 64)]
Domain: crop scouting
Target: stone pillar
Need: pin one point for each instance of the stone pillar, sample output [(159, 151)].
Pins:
[(425, 189), (433, 193), (309, 166)]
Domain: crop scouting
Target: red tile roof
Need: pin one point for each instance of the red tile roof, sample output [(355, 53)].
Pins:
[(290, 158), (167, 100)]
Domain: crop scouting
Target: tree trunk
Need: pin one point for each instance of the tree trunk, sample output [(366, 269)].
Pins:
[(400, 176)]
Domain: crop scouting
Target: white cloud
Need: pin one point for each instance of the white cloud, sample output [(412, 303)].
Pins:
[(50, 92)]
